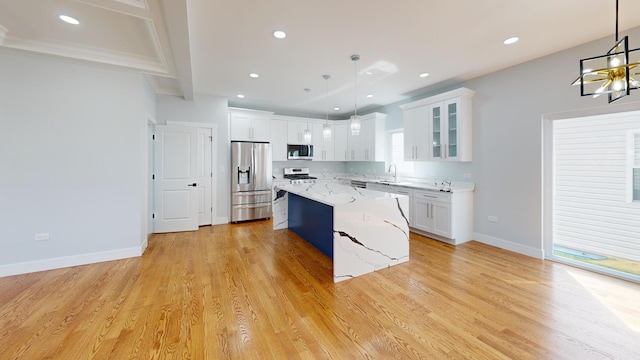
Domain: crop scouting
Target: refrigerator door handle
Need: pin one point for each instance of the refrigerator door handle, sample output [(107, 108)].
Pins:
[(253, 163)]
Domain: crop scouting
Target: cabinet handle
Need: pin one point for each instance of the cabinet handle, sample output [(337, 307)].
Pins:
[(445, 151), (416, 152), (432, 211), (430, 196), (428, 213)]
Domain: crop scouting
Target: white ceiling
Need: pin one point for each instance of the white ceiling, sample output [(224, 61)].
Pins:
[(192, 47)]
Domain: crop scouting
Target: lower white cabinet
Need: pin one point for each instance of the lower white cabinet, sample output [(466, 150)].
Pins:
[(447, 215), (432, 212), (444, 216)]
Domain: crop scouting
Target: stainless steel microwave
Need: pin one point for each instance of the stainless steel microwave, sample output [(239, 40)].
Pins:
[(299, 152)]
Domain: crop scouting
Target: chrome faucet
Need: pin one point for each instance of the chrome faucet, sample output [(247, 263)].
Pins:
[(395, 172)]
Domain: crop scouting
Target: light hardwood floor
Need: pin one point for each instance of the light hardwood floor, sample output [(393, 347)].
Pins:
[(247, 292)]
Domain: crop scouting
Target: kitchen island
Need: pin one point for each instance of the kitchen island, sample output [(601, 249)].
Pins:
[(360, 230)]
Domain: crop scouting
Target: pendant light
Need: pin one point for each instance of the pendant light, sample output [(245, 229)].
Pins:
[(610, 73), (307, 133), (355, 120), (326, 128)]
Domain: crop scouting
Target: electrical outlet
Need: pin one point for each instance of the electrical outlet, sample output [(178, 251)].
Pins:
[(42, 236), (493, 219), (467, 175)]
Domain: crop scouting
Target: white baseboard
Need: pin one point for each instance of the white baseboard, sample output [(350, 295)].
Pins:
[(509, 245), (220, 221), (68, 261)]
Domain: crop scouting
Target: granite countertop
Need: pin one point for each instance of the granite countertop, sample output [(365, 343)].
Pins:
[(334, 194)]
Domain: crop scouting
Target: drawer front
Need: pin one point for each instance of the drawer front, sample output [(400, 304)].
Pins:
[(250, 212), (433, 195), (251, 197)]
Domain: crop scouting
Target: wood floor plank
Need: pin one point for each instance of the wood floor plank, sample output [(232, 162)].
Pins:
[(244, 291)]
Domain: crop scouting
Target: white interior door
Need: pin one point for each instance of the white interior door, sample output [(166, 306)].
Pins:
[(176, 195), (205, 175)]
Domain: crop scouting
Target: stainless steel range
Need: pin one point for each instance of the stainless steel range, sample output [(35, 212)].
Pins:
[(298, 175)]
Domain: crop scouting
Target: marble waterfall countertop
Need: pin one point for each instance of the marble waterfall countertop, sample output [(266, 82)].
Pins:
[(361, 230), (408, 182), (333, 194)]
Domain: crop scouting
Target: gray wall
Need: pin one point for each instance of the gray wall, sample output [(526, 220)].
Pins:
[(210, 110), (72, 162), (507, 123)]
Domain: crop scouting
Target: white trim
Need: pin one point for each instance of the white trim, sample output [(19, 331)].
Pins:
[(145, 243), (69, 261), (509, 245), (220, 220), (191, 123), (547, 164), (149, 65)]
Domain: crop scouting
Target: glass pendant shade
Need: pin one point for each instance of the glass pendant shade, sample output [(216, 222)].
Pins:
[(355, 125), (326, 132), (307, 136)]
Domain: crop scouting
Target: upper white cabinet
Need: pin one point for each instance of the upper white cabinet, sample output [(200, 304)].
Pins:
[(444, 132), (369, 144), (416, 126), (339, 135), (249, 125), (278, 140), (323, 149), (295, 132)]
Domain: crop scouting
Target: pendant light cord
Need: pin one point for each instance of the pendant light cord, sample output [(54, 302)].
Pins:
[(616, 21), (355, 58)]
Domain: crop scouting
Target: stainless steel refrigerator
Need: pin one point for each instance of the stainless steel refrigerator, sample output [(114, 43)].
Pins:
[(250, 181)]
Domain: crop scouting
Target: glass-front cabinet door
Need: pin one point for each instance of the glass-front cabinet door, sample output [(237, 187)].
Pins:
[(452, 130), (445, 121), (436, 133)]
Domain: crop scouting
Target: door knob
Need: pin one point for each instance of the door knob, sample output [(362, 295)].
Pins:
[(194, 184)]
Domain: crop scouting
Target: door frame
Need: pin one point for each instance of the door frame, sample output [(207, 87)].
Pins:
[(214, 163), (148, 200), (547, 175)]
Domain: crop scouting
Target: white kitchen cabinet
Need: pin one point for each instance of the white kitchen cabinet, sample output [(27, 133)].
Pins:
[(416, 126), (354, 146), (433, 212), (340, 135), (249, 125), (295, 132), (448, 130), (279, 140), (323, 150), (369, 144), (444, 216)]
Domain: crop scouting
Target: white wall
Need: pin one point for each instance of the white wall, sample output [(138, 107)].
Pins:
[(72, 163), (507, 121), (211, 110)]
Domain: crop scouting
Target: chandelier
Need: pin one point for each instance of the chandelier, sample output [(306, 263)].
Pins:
[(611, 73)]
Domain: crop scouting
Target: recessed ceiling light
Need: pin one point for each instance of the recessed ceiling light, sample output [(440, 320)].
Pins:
[(369, 95), (511, 40), (279, 34), (254, 75), (424, 75), (369, 73), (240, 96), (336, 108), (69, 20)]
